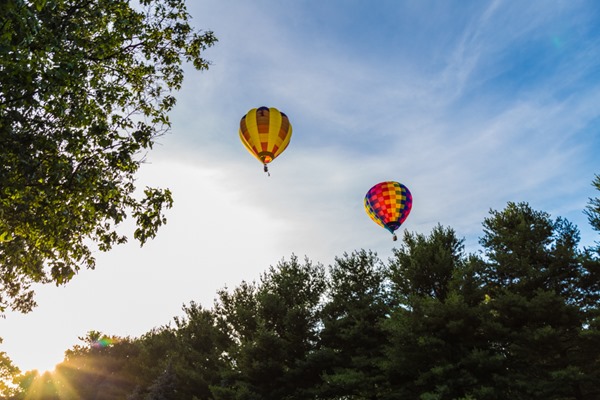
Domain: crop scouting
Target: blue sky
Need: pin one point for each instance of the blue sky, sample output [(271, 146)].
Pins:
[(470, 104)]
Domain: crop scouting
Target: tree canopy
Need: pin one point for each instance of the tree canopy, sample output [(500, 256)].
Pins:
[(86, 87), (520, 319), (593, 208)]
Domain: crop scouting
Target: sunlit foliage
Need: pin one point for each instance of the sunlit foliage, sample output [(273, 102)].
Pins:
[(86, 87), (7, 372)]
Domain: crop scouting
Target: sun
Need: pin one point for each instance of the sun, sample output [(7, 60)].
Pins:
[(39, 358), (46, 368)]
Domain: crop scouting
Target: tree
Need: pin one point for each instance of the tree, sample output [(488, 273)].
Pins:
[(273, 331), (593, 207), (236, 313), (98, 369), (8, 372), (164, 387), (36, 386), (197, 353), (424, 266), (353, 340), (436, 348), (591, 301), (290, 298), (86, 89), (520, 321), (155, 350), (110, 367), (540, 317)]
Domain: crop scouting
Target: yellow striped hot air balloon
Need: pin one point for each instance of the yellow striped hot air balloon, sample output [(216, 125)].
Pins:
[(265, 132)]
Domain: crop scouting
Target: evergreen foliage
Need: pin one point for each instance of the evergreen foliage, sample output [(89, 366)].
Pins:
[(519, 320)]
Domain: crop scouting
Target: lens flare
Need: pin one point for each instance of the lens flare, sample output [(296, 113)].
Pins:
[(102, 342)]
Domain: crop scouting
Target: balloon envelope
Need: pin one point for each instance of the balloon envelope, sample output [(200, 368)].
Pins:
[(388, 204), (265, 132)]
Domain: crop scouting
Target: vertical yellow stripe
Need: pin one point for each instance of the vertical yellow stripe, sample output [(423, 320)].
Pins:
[(274, 126), (252, 126), (285, 142), (246, 144)]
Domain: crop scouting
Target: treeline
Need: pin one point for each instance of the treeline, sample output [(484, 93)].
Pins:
[(519, 320)]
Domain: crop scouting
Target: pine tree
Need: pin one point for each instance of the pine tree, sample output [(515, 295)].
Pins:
[(534, 277), (353, 339), (272, 330), (436, 347)]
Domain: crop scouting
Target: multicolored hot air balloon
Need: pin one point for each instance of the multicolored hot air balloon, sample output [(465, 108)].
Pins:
[(388, 204), (265, 132)]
